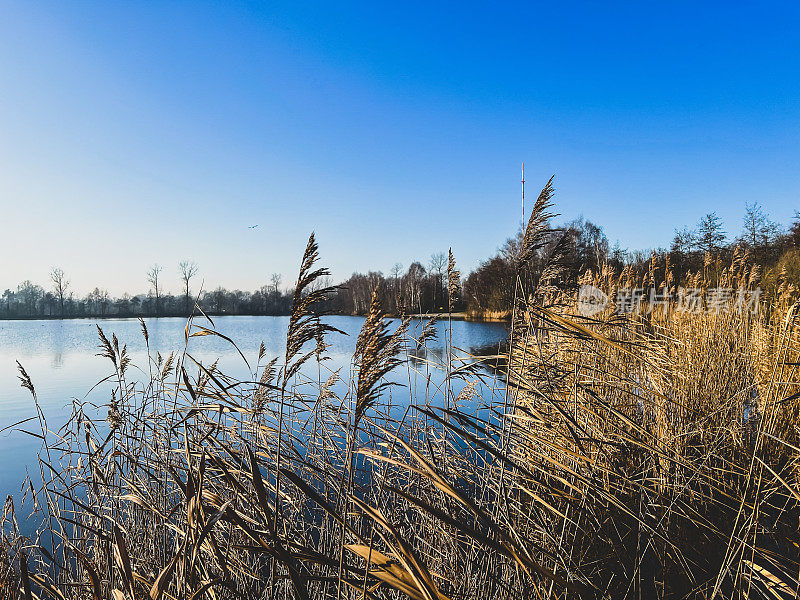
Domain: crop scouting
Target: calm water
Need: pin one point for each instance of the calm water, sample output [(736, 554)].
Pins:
[(60, 357)]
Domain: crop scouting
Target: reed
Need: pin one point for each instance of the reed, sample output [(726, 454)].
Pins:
[(642, 455)]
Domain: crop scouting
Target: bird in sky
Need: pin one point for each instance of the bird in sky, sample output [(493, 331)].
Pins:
[(252, 226)]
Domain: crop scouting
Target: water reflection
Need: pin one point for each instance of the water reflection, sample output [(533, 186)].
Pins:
[(57, 342), (61, 358)]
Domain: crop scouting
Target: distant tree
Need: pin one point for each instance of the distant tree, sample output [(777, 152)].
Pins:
[(758, 231), (437, 265), (710, 234), (105, 300), (275, 281), (239, 301), (360, 287), (50, 302), (396, 299), (97, 302), (153, 280), (438, 262), (170, 305), (511, 248), (123, 304), (490, 287), (617, 255), (74, 307), (218, 297), (188, 269), (413, 284), (30, 294), (397, 268), (590, 245), (272, 294), (60, 285), (794, 230), (93, 301), (684, 241), (8, 296)]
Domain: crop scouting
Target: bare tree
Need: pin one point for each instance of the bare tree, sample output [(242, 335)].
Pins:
[(414, 277), (60, 285), (397, 286), (152, 279), (275, 281), (396, 270), (97, 301), (188, 270), (437, 265), (684, 241), (758, 230)]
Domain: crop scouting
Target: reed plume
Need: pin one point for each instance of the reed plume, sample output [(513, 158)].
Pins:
[(308, 305), (537, 229), (376, 355)]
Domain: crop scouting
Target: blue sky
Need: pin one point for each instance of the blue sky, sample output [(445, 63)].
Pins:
[(142, 132)]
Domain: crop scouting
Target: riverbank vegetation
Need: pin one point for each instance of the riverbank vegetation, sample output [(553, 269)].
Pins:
[(488, 290), (643, 454), (415, 290), (485, 293)]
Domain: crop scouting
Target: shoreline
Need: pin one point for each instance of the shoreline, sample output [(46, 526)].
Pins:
[(490, 317)]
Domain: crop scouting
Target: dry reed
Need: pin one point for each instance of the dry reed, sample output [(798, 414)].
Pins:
[(649, 455)]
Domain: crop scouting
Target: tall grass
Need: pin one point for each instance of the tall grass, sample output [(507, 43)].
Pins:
[(649, 455)]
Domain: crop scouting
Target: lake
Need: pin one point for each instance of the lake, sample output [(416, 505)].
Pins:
[(61, 359)]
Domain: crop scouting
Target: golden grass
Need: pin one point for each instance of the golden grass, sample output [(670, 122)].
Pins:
[(630, 456)]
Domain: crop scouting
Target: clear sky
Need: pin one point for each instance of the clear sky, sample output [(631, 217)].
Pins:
[(142, 132)]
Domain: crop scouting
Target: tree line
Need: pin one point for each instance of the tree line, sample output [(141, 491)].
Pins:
[(582, 246), (30, 300), (431, 287), (420, 288)]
